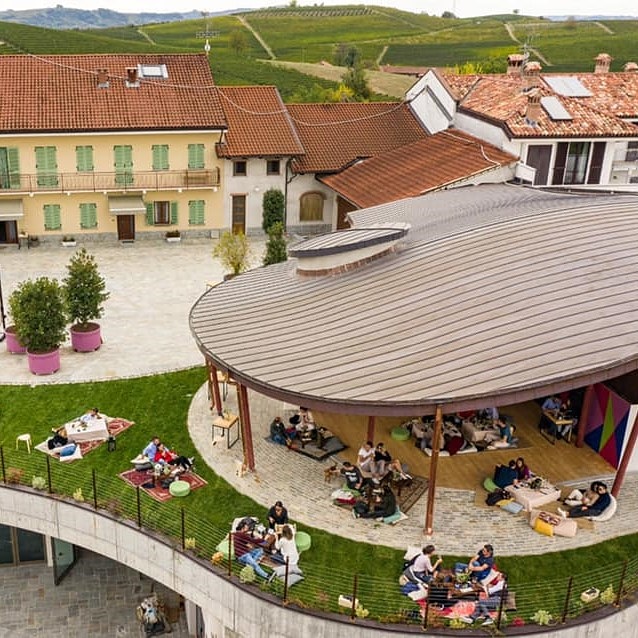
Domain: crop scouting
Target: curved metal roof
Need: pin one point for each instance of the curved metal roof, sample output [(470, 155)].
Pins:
[(498, 294)]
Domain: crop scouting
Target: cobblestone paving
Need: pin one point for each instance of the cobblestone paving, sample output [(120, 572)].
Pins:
[(97, 599)]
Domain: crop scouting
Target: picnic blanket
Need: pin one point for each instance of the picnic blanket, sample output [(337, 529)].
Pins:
[(115, 425), (136, 478)]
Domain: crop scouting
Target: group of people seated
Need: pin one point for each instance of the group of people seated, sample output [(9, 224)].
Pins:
[(301, 425), (558, 409), (159, 458), (514, 473), (591, 502)]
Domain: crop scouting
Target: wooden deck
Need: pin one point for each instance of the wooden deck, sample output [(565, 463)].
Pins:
[(559, 463)]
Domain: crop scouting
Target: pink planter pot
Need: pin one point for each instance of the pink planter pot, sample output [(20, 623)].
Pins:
[(44, 363), (86, 340), (13, 345)]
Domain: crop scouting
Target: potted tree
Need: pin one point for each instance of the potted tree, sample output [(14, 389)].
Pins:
[(85, 292), (39, 314), (233, 251)]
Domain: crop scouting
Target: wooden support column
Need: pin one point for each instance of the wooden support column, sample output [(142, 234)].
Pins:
[(434, 459), (626, 457), (370, 436), (584, 414), (246, 428), (213, 387)]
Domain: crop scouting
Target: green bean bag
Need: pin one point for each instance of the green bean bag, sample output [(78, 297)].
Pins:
[(489, 485), (180, 488), (303, 541), (400, 434)]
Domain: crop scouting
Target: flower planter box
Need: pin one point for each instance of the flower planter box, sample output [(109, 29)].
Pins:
[(173, 240), (13, 345), (44, 363), (86, 340)]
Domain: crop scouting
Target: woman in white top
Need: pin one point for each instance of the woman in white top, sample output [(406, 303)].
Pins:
[(287, 547)]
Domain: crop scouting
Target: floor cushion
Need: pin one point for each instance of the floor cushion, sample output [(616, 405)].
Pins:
[(512, 507), (606, 514), (567, 527), (393, 518), (543, 528), (400, 434), (303, 541), (179, 488), (489, 485), (224, 548)]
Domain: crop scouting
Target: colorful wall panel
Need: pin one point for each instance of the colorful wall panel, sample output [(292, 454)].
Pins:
[(607, 424)]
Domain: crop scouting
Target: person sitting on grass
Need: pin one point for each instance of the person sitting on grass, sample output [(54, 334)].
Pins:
[(423, 569), (90, 415), (487, 602), (277, 515), (246, 551), (481, 565), (286, 546), (146, 458), (600, 503), (180, 464)]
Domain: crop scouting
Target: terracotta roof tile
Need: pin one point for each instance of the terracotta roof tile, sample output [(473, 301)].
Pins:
[(258, 123), (615, 93), (61, 94), (502, 100), (335, 135), (425, 165)]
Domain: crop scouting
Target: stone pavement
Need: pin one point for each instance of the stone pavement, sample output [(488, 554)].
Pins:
[(97, 598), (153, 286)]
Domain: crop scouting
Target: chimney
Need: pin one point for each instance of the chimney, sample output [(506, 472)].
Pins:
[(630, 67), (515, 63), (533, 110), (102, 79), (603, 62), (132, 80), (531, 73)]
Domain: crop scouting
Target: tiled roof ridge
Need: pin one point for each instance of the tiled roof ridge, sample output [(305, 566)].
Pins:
[(396, 106)]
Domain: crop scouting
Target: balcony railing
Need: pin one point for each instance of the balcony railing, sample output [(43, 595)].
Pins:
[(115, 181)]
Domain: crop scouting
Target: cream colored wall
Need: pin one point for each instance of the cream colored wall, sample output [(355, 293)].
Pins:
[(103, 159)]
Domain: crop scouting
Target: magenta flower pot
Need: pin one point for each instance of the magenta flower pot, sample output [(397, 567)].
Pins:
[(86, 340), (45, 362), (13, 345)]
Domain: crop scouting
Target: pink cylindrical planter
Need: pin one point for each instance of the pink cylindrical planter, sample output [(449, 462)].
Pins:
[(86, 340), (44, 363), (13, 345)]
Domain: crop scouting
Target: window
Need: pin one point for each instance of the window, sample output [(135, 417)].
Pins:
[(161, 213), (123, 159), (88, 215), (196, 212), (52, 218), (273, 167), (239, 214), (84, 159), (9, 168), (195, 156), (632, 152), (160, 157), (311, 207), (576, 165), (239, 168), (46, 165)]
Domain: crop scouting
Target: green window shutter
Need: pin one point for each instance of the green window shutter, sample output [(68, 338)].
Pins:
[(88, 215), (195, 156), (84, 159), (123, 156), (46, 165), (52, 219), (13, 161), (196, 212), (149, 214), (160, 157), (173, 212)]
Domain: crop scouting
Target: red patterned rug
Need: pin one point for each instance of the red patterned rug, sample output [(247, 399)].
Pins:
[(116, 426), (135, 478)]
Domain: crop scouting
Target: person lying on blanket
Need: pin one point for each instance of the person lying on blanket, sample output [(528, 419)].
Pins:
[(180, 464), (91, 414), (59, 438)]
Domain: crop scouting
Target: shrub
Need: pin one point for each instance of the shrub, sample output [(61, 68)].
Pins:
[(38, 483), (39, 314), (247, 574), (273, 208), (608, 596), (190, 543), (14, 475), (84, 289), (78, 496), (542, 617), (233, 251), (276, 245)]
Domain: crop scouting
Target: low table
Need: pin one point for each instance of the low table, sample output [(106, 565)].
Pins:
[(226, 424), (533, 499)]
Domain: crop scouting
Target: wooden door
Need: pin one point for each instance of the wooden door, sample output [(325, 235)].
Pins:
[(343, 208), (239, 214), (126, 227), (9, 232), (538, 157)]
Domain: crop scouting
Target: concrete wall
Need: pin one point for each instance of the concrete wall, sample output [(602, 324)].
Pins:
[(228, 609)]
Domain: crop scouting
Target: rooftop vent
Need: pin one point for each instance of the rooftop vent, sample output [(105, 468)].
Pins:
[(102, 79), (533, 110), (515, 63), (630, 67), (153, 71), (132, 78), (603, 62), (531, 72)]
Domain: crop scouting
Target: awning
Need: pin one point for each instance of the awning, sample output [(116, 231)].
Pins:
[(131, 205), (10, 209)]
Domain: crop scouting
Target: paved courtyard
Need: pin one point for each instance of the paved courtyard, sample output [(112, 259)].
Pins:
[(153, 286)]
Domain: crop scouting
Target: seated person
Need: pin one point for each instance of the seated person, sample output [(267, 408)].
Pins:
[(59, 439), (145, 459), (381, 462), (277, 515), (286, 546), (305, 424), (353, 476), (164, 456), (383, 505), (246, 550), (365, 457), (481, 565), (91, 414), (601, 501), (278, 431), (505, 434), (397, 472), (428, 435), (486, 603), (523, 473), (505, 475), (489, 414), (423, 568)]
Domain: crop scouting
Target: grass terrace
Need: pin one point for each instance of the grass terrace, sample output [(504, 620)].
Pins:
[(159, 406)]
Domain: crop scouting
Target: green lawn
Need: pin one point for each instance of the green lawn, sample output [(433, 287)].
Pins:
[(159, 405)]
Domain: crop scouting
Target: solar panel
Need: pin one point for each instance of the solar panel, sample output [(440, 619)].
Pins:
[(568, 86), (554, 108)]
